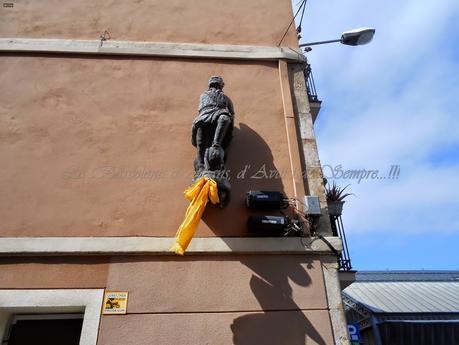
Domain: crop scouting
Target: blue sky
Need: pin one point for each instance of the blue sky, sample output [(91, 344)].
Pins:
[(394, 101)]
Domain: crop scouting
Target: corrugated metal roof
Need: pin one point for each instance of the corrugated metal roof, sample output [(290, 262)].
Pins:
[(407, 276), (406, 296)]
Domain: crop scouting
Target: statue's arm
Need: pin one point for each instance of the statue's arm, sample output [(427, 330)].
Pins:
[(202, 101), (230, 106)]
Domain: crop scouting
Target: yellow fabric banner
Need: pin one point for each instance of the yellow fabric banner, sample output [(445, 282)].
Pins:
[(199, 193)]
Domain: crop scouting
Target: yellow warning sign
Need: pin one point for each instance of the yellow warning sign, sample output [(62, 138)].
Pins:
[(115, 302)]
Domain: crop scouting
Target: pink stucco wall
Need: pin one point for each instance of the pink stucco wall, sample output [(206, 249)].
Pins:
[(254, 22)]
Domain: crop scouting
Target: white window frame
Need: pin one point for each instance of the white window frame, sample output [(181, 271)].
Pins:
[(55, 301)]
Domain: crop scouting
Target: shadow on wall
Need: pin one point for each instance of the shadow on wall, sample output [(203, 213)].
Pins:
[(247, 154), (282, 321)]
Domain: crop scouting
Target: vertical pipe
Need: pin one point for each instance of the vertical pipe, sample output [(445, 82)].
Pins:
[(376, 332), (345, 247)]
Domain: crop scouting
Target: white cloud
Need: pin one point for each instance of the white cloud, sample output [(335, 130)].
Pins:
[(422, 200), (393, 101)]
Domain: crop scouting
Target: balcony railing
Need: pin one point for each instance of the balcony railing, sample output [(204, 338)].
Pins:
[(310, 84), (344, 259)]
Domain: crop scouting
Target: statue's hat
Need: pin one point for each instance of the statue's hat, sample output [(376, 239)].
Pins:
[(215, 79)]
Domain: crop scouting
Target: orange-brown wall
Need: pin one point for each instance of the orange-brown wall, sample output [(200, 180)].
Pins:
[(297, 327), (101, 146), (53, 272), (254, 22), (240, 299)]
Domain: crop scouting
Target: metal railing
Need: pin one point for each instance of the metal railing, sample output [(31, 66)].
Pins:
[(344, 259), (310, 84)]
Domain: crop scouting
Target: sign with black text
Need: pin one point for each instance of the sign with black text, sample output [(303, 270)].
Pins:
[(115, 303)]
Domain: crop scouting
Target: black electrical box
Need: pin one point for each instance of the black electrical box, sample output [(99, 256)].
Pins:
[(268, 225), (262, 200)]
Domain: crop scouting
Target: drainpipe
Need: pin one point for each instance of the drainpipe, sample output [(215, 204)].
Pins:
[(376, 333)]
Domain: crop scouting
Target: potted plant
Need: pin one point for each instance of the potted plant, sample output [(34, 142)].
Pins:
[(335, 199)]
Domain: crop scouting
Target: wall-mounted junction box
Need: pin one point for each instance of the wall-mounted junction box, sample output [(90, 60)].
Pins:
[(312, 205)]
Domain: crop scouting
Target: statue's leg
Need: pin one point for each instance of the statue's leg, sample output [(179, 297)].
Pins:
[(201, 146), (223, 123)]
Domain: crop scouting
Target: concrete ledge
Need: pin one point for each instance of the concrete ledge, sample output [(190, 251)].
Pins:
[(160, 245), (159, 49), (346, 278)]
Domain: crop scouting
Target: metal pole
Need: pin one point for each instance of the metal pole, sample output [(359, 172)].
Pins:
[(316, 43), (346, 248), (376, 332)]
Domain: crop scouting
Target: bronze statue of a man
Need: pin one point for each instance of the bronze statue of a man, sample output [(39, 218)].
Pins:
[(213, 127), (212, 132)]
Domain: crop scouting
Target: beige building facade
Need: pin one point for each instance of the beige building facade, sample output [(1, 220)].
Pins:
[(96, 105)]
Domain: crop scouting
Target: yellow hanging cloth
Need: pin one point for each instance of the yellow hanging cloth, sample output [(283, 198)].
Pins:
[(199, 194)]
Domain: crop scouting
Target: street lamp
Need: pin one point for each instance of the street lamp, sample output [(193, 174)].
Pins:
[(356, 37)]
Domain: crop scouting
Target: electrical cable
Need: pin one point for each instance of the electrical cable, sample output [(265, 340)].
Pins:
[(300, 56), (302, 15), (310, 223), (308, 220), (297, 228), (303, 3), (297, 199), (285, 203), (329, 245)]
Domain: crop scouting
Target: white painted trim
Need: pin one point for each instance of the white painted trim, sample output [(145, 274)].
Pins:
[(161, 245), (47, 316), (335, 305), (46, 301), (160, 49)]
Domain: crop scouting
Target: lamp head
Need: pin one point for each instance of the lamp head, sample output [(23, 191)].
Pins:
[(357, 37)]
